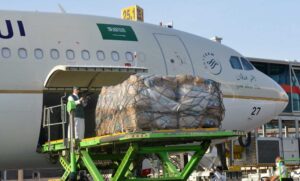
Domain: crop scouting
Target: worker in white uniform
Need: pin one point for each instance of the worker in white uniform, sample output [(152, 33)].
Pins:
[(281, 172), (79, 125)]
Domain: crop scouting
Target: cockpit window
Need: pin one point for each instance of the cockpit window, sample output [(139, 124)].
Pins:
[(235, 63), (247, 65)]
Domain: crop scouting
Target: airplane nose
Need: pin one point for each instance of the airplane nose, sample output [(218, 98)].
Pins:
[(283, 98), (282, 94)]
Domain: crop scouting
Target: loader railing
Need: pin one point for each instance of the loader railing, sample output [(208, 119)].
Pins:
[(49, 118)]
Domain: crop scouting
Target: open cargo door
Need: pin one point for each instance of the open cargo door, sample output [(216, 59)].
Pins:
[(90, 77)]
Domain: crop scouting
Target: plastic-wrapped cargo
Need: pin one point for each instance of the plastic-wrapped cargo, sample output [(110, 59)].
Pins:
[(143, 103)]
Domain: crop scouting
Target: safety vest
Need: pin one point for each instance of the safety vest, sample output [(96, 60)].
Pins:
[(283, 172), (79, 112)]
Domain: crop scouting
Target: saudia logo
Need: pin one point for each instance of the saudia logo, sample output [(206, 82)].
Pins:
[(117, 32), (210, 63), (9, 32)]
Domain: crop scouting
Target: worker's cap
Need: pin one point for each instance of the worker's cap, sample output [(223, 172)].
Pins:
[(76, 88)]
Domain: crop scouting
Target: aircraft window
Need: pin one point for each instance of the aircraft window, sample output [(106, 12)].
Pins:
[(5, 52), (54, 54), (100, 55), (115, 55), (22, 52), (235, 63), (38, 53), (247, 65), (129, 56), (85, 55), (70, 54)]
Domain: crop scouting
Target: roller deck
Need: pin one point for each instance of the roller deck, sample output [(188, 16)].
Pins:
[(125, 150)]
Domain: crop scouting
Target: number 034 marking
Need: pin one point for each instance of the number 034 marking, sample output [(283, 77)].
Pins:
[(255, 111)]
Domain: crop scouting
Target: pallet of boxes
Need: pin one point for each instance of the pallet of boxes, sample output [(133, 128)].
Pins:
[(147, 103)]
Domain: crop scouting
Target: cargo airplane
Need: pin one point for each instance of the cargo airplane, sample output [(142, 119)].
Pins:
[(42, 55)]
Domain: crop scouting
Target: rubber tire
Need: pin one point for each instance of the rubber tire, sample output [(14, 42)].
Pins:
[(73, 176), (248, 140), (53, 158), (83, 177)]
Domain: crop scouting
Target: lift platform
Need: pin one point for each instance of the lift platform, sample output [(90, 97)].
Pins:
[(124, 151)]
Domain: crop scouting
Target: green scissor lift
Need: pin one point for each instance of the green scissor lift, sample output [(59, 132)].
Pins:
[(125, 149)]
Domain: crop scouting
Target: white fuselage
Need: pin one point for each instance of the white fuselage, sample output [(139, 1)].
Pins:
[(250, 97)]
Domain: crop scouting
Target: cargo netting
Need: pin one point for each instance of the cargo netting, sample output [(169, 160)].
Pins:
[(145, 103)]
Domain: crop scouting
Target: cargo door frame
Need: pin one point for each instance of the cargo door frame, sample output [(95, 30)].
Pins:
[(64, 77), (89, 79)]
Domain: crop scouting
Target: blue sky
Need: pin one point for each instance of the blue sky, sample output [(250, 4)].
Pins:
[(257, 28)]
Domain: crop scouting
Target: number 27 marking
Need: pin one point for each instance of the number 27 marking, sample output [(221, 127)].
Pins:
[(255, 111)]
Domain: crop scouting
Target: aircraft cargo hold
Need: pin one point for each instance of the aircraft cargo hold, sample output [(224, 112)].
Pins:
[(146, 103)]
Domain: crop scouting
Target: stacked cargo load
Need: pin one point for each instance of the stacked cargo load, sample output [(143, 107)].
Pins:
[(146, 103)]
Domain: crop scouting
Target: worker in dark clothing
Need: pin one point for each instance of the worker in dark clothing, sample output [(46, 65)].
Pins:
[(79, 125)]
